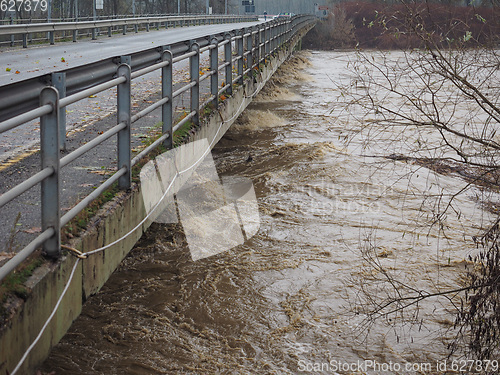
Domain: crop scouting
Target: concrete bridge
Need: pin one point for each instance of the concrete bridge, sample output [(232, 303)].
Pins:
[(219, 70)]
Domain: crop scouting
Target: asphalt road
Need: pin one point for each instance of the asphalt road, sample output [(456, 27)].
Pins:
[(30, 62)]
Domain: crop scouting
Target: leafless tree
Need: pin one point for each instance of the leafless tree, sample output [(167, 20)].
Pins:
[(447, 93)]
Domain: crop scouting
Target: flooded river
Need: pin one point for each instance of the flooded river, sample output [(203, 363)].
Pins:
[(338, 219)]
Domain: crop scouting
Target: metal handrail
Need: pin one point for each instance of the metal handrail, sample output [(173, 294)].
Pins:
[(49, 29), (268, 37), (16, 29)]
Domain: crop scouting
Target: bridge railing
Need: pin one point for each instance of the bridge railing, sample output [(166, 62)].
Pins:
[(50, 29), (253, 46)]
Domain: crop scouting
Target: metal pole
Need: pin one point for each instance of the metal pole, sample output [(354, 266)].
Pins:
[(123, 115), (49, 19), (194, 67), (12, 38), (214, 67), (49, 149), (267, 46), (229, 67), (178, 6), (257, 47), (167, 88), (240, 57), (59, 82), (94, 14), (250, 49)]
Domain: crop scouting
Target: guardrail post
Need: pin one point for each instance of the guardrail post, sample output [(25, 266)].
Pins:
[(124, 29), (147, 27), (49, 150), (59, 82), (194, 67), (123, 115), (110, 31), (12, 37), (166, 89), (51, 37), (241, 54), (282, 34), (136, 28), (75, 35), (25, 40), (250, 50), (274, 35), (229, 61), (267, 45), (214, 68)]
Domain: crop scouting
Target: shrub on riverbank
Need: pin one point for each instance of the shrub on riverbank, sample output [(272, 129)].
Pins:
[(390, 26)]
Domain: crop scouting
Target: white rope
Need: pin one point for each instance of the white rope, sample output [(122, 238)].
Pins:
[(48, 320)]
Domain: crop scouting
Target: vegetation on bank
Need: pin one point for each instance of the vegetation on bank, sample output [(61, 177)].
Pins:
[(398, 25)]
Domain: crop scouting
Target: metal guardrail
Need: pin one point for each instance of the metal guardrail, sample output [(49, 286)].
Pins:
[(253, 45), (112, 24)]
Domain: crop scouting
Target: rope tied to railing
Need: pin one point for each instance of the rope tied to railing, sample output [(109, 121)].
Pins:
[(74, 252)]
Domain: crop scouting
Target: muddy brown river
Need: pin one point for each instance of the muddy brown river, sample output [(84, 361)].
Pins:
[(294, 298)]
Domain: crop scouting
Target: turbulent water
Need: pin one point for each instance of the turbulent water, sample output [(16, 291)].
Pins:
[(337, 217)]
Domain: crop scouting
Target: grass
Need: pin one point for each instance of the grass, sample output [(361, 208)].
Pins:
[(13, 284)]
